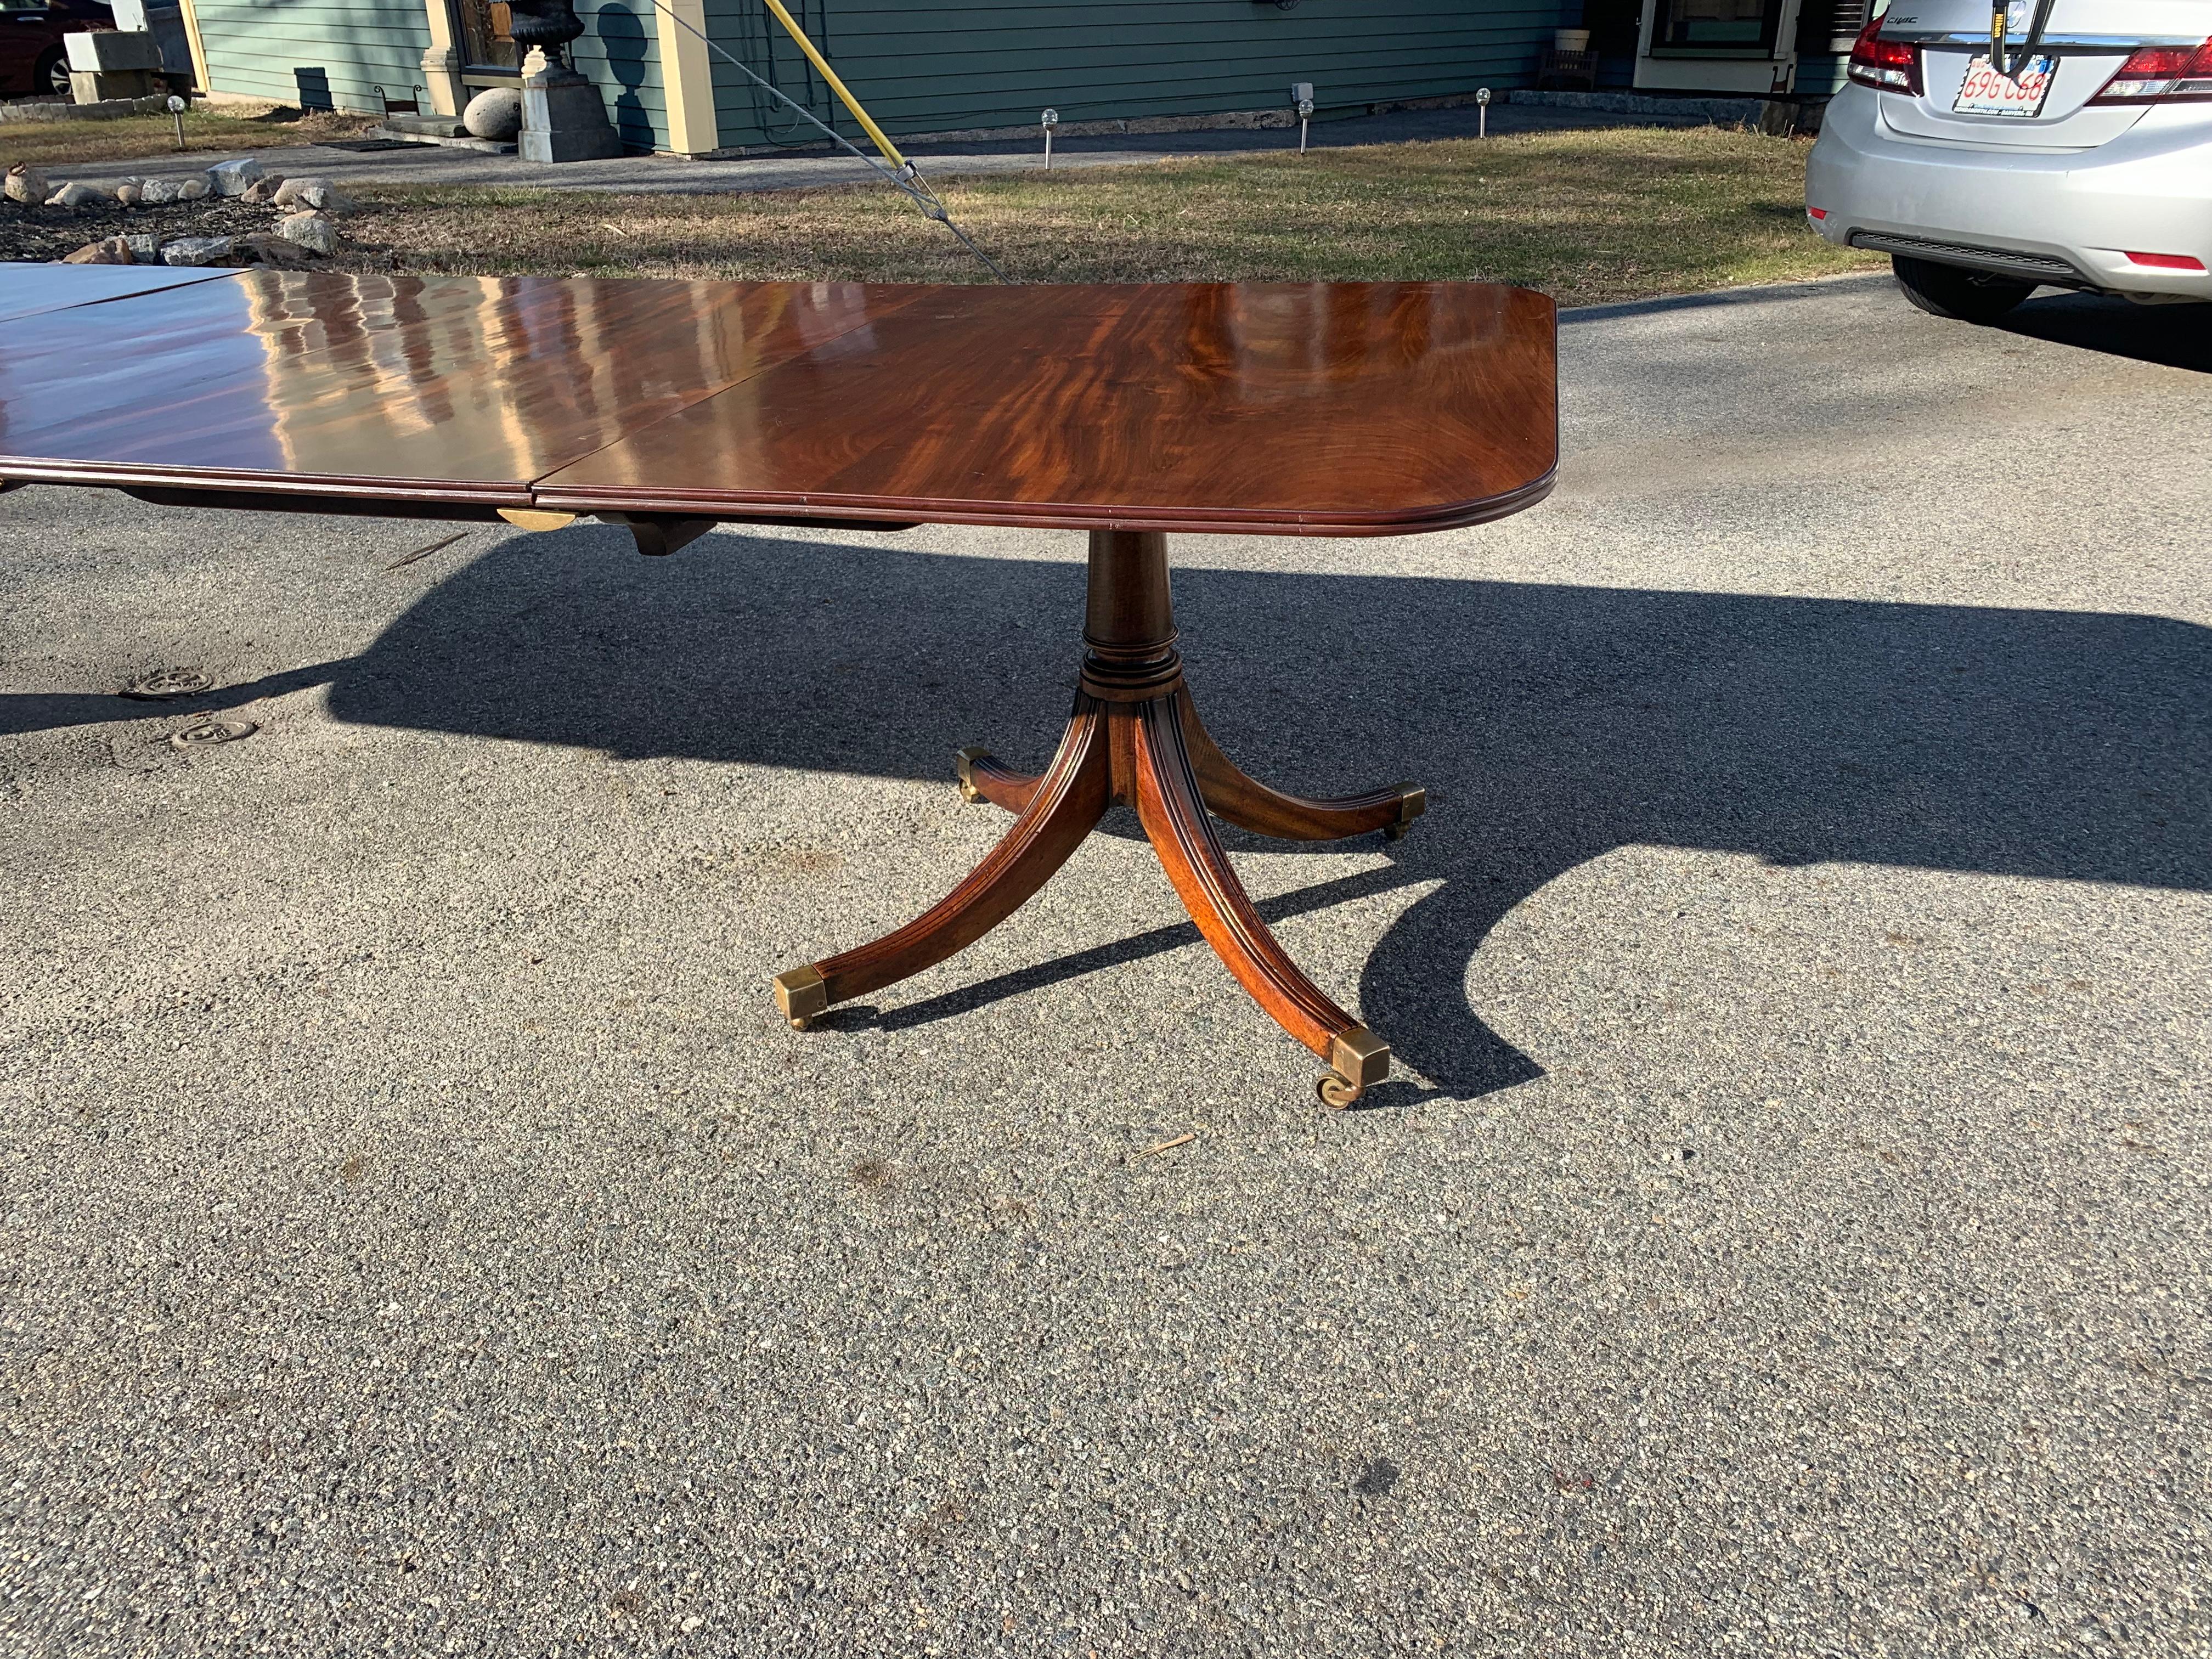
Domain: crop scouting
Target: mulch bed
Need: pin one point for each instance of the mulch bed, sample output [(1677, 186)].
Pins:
[(44, 232)]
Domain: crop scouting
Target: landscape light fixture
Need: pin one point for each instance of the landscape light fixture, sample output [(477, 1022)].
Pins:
[(1482, 111), (1302, 99), (1048, 120), (177, 114)]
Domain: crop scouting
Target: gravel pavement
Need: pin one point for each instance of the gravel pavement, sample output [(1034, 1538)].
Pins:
[(1788, 1233)]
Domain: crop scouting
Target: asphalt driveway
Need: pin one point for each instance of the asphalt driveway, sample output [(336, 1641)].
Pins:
[(1788, 1232)]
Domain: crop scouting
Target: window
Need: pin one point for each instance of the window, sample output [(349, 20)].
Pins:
[(485, 42), (1716, 26), (1830, 26)]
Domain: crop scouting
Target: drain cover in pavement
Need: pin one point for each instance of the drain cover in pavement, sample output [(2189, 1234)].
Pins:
[(206, 733), (164, 683)]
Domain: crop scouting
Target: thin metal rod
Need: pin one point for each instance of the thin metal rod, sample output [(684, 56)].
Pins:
[(908, 179), (822, 65)]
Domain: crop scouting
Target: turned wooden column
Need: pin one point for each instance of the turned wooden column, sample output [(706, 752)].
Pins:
[(1128, 619)]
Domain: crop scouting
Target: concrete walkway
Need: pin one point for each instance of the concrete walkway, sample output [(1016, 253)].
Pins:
[(428, 164)]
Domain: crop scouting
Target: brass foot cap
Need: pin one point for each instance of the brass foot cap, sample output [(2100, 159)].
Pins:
[(1413, 801), (802, 994), (1358, 1059), (963, 763)]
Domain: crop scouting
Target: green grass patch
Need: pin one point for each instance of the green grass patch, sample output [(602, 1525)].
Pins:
[(57, 146), (1587, 216)]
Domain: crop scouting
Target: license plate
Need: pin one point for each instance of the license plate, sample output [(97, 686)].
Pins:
[(2021, 94)]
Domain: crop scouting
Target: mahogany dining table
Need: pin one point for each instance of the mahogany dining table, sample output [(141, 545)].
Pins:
[(1129, 411)]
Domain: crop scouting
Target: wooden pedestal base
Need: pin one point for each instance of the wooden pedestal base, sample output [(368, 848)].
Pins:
[(1135, 740)]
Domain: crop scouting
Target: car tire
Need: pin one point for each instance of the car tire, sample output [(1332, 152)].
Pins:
[(1955, 292)]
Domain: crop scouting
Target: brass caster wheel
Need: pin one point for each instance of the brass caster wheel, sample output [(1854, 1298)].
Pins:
[(1335, 1093), (799, 1024), (1356, 1058)]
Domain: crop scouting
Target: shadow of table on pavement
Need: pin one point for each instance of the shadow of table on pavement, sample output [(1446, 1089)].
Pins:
[(1551, 724)]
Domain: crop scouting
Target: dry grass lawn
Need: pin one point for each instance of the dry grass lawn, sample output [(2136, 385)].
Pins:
[(1587, 216), (58, 145)]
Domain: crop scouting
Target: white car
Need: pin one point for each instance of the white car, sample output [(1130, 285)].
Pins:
[(2073, 148)]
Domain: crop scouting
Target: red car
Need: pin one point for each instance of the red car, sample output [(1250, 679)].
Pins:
[(31, 60)]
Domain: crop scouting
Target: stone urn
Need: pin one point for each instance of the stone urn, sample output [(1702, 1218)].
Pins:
[(563, 119), (545, 26)]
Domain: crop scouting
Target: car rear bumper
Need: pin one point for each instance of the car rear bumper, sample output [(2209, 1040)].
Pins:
[(2066, 217)]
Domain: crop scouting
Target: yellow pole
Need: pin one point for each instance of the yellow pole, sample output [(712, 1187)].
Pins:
[(822, 65)]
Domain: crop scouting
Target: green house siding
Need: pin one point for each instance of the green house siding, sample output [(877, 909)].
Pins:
[(315, 53), (998, 62), (337, 52), (1821, 76)]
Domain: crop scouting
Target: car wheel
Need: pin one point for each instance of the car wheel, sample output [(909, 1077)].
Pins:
[(1954, 292), (50, 78)]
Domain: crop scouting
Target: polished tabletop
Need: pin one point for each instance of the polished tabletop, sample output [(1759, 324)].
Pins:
[(1328, 409), (25, 288)]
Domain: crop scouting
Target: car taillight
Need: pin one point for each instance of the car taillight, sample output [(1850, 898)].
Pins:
[(2162, 75), (1890, 65), (2167, 261)]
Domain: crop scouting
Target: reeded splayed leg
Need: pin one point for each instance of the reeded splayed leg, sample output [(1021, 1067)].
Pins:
[(1250, 804), (1175, 818), (983, 776), (1064, 806)]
